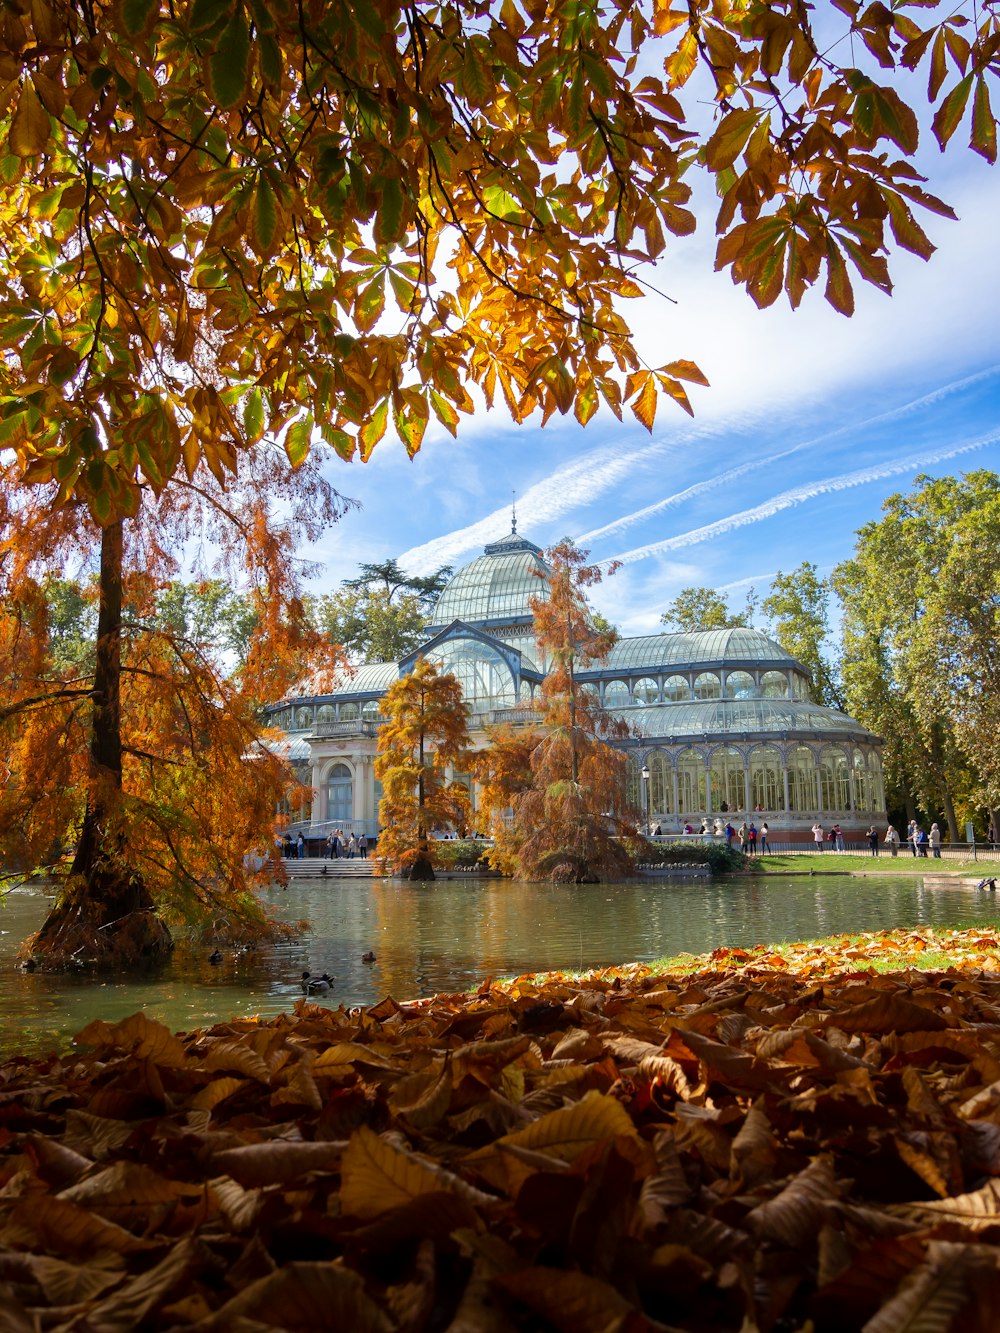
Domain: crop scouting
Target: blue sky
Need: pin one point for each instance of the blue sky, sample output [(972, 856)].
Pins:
[(811, 420)]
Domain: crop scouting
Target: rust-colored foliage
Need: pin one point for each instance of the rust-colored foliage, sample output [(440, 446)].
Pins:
[(188, 816), (748, 1146), (503, 772), (567, 823), (419, 747)]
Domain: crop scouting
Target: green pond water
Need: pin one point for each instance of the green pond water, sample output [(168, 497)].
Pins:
[(450, 935)]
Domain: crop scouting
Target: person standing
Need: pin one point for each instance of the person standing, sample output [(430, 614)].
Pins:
[(730, 833), (873, 840), (352, 847), (363, 847), (817, 832), (921, 840), (839, 837), (300, 844), (338, 845), (892, 840), (752, 839), (934, 838), (911, 836), (763, 837), (742, 835)]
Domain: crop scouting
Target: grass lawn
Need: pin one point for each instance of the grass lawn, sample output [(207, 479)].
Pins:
[(853, 863)]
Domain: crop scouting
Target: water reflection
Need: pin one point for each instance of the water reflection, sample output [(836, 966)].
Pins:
[(450, 935)]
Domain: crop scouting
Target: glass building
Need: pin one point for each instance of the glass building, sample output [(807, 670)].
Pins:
[(720, 722)]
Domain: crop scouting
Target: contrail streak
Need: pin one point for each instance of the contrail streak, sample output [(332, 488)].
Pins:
[(798, 495), (711, 483)]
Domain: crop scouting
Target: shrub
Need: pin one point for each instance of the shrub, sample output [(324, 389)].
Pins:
[(720, 859)]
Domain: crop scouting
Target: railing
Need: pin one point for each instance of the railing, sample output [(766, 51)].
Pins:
[(362, 726)]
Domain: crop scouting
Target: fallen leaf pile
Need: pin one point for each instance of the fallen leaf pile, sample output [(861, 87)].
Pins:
[(739, 1148)]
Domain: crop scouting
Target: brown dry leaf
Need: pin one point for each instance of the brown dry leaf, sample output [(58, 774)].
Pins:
[(62, 1227), (62, 1283), (567, 1132), (931, 1297), (888, 1013), (971, 1212), (422, 1099), (240, 1207), (216, 1092), (13, 1316), (754, 1150), (129, 1192), (376, 1176), (572, 1302), (126, 1309), (480, 1310), (794, 1216), (278, 1162), (350, 1053), (139, 1036), (306, 1296), (239, 1057), (56, 1164), (95, 1136), (300, 1088)]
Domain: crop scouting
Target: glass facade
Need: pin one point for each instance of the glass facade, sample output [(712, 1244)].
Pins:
[(721, 718), (486, 679)]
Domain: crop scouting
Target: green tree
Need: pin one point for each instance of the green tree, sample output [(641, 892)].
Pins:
[(917, 644), (381, 615), (798, 607), (695, 609), (422, 743)]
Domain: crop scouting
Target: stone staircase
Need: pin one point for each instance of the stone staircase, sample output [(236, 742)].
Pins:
[(315, 867)]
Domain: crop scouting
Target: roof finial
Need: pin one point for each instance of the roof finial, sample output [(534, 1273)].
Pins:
[(513, 514)]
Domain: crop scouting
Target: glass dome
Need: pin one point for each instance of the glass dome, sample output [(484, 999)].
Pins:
[(498, 585)]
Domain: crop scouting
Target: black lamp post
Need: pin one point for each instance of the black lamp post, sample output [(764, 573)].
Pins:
[(645, 796)]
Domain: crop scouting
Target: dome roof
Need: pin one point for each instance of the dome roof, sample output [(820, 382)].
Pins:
[(496, 586), (713, 647), (722, 719)]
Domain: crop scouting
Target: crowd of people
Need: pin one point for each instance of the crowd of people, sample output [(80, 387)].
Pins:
[(333, 846)]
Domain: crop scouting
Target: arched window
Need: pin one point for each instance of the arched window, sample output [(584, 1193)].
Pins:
[(677, 689), (646, 691), (774, 685), (690, 783), (740, 685), (835, 780), (800, 686), (661, 784), (326, 713), (526, 691), (803, 780), (616, 694), (370, 709), (766, 787), (348, 712), (303, 718), (728, 787), (483, 673), (875, 778), (339, 794), (862, 792), (707, 686)]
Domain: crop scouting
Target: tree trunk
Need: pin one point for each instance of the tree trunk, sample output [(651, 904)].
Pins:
[(949, 814), (105, 914)]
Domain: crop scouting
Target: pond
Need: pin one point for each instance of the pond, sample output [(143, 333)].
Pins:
[(450, 935)]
